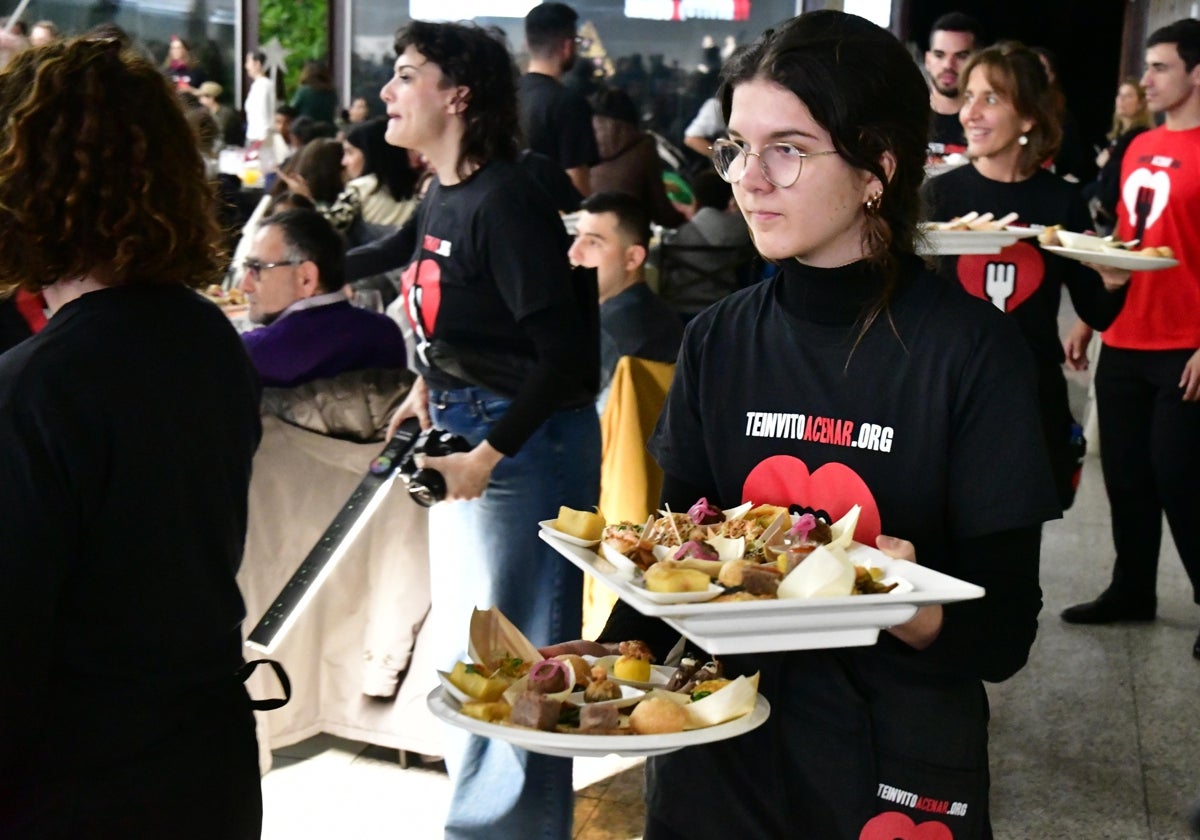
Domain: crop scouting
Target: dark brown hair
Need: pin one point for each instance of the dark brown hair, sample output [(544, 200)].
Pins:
[(478, 59), (862, 86), (96, 174)]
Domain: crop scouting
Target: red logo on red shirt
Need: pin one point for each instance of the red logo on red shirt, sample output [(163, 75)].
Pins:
[(834, 488), (1006, 279)]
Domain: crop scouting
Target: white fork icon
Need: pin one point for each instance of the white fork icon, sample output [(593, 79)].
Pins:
[(1000, 281)]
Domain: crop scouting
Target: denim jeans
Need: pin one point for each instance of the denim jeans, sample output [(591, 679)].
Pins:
[(486, 552)]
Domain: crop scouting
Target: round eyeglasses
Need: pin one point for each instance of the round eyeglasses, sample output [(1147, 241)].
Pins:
[(780, 162)]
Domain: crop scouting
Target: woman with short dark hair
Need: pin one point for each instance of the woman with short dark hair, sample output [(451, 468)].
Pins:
[(508, 354)]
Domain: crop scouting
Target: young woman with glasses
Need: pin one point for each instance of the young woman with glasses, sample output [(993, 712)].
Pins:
[(939, 444)]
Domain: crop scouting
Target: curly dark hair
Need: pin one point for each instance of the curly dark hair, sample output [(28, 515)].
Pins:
[(863, 87), (1015, 71), (97, 174), (478, 59)]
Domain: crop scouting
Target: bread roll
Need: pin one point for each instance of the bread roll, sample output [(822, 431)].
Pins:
[(657, 716)]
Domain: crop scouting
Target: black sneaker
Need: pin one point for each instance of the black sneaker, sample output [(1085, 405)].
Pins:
[(1196, 653), (1107, 610)]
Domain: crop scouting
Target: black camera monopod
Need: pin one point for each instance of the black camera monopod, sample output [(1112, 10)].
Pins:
[(333, 544)]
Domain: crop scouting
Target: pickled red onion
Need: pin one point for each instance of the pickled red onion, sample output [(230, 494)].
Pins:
[(702, 513), (803, 526), (542, 676), (697, 549)]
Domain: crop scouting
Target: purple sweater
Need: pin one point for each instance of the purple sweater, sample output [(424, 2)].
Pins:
[(322, 342)]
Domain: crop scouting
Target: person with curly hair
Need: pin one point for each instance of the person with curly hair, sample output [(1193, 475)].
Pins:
[(128, 426)]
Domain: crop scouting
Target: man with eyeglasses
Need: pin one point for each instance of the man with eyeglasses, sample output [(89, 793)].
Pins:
[(293, 283), (556, 121)]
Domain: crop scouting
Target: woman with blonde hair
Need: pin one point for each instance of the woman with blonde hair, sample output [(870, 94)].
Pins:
[(128, 426), (1131, 116)]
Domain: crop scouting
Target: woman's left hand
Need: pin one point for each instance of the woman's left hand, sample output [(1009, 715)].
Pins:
[(920, 630), (466, 473)]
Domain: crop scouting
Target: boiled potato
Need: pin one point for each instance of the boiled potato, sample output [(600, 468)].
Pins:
[(471, 682), (581, 524), (664, 578)]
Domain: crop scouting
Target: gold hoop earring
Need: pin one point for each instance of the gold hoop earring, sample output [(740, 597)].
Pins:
[(873, 203)]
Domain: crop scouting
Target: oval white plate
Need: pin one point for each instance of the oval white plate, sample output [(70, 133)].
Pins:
[(1115, 259), (547, 525), (453, 690), (595, 746)]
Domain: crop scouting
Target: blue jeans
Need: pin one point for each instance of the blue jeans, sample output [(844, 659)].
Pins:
[(486, 552)]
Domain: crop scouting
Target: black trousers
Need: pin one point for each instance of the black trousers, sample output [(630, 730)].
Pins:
[(1150, 453)]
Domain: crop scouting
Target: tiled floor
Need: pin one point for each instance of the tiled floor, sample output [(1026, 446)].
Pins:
[(1098, 737)]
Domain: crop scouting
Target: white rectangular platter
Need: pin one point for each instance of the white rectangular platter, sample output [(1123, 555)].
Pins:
[(788, 624)]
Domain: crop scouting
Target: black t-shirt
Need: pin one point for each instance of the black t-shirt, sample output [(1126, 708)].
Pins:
[(490, 276), (1037, 275), (946, 134), (128, 426), (932, 429), (637, 322), (556, 121), (929, 423)]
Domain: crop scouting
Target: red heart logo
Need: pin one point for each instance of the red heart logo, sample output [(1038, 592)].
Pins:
[(892, 825), (834, 488), (1006, 279), (426, 277)]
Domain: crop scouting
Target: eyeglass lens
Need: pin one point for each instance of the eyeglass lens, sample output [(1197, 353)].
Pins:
[(780, 162)]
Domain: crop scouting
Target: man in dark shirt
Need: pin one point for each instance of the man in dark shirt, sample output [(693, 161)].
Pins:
[(556, 121), (952, 39), (293, 283), (612, 236)]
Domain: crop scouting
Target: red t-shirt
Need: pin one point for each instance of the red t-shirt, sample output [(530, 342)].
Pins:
[(1162, 309)]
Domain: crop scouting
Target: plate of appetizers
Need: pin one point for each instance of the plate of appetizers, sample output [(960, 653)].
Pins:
[(808, 585), (570, 705), (1115, 258), (972, 233), (566, 743)]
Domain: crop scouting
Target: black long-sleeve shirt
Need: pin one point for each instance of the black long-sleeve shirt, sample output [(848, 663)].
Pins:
[(127, 428)]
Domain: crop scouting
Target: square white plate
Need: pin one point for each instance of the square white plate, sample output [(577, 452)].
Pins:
[(788, 624)]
